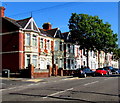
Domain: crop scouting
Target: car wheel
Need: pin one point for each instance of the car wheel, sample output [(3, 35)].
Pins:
[(102, 74), (116, 72), (93, 74), (107, 73), (85, 75)]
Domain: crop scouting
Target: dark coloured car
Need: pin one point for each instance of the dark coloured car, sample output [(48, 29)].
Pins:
[(83, 72), (115, 71), (108, 69)]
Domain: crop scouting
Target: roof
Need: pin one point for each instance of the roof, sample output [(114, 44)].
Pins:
[(27, 23), (12, 21), (52, 32), (67, 37), (20, 23), (23, 22), (43, 32)]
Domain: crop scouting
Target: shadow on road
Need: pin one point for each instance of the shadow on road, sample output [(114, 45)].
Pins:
[(117, 75), (95, 93), (56, 97)]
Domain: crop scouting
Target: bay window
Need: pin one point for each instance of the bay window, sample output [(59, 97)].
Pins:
[(41, 43), (34, 40), (28, 39), (34, 60), (27, 60)]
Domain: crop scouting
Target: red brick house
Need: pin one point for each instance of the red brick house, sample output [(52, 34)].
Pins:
[(24, 44)]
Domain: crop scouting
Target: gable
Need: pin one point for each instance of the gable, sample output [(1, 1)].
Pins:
[(31, 25)]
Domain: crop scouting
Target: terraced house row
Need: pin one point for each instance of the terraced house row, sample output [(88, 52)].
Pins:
[(49, 51)]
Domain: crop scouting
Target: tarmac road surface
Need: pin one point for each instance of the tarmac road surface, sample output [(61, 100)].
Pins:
[(83, 90)]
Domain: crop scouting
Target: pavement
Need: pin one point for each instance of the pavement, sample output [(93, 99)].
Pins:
[(44, 79)]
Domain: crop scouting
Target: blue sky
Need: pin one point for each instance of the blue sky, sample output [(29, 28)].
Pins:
[(58, 13)]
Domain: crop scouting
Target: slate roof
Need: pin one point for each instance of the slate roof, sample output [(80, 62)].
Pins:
[(23, 22), (54, 33), (13, 21), (50, 33), (67, 37), (19, 23)]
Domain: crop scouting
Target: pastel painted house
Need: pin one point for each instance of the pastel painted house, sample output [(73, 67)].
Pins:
[(58, 46)]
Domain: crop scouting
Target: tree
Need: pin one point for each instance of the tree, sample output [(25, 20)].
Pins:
[(91, 33), (116, 54)]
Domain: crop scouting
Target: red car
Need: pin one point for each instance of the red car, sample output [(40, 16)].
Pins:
[(101, 71)]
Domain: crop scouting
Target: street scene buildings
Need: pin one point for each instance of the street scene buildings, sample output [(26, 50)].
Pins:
[(44, 51)]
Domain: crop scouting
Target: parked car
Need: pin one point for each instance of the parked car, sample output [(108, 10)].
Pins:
[(115, 71), (108, 69), (89, 72), (101, 71), (83, 72), (118, 71)]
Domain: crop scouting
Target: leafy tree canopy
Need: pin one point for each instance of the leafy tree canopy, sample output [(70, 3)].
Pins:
[(91, 33), (116, 53)]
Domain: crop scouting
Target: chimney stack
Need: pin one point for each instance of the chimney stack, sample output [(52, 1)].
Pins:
[(47, 26), (2, 9)]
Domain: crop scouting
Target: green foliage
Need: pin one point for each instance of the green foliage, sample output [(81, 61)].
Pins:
[(91, 33), (116, 53)]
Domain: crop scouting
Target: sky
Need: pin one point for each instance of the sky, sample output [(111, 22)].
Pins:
[(59, 13)]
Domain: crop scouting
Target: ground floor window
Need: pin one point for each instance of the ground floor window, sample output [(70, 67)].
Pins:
[(68, 63), (34, 60), (60, 63), (27, 60)]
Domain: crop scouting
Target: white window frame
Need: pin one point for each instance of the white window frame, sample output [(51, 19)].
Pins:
[(26, 59), (27, 39), (34, 60), (42, 46), (48, 44), (34, 40), (56, 45)]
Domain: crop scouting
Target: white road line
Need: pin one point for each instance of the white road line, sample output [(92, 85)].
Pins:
[(90, 83), (58, 93), (108, 78)]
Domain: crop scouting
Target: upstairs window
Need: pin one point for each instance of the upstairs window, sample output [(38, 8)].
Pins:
[(68, 46), (41, 43), (72, 49), (48, 44), (61, 46), (28, 39), (56, 45), (34, 40)]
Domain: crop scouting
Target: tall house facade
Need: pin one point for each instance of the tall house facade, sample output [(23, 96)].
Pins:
[(47, 50)]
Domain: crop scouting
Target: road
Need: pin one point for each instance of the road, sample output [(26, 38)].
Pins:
[(83, 90)]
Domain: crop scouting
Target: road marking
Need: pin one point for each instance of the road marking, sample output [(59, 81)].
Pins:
[(34, 80), (90, 83), (73, 78), (58, 93), (108, 78)]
